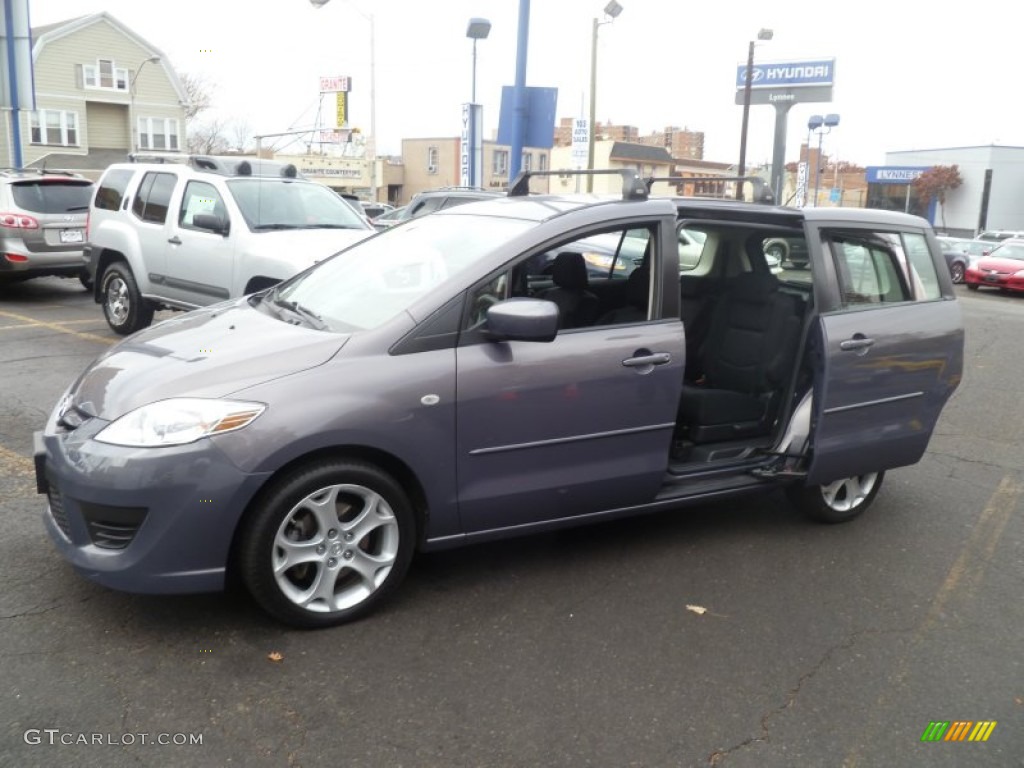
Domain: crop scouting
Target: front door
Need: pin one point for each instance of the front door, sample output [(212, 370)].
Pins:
[(200, 264), (892, 353), (577, 425)]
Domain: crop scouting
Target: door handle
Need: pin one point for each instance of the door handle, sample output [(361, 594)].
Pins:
[(858, 342), (175, 240), (646, 359)]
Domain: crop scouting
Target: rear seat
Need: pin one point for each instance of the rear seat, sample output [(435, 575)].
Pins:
[(697, 297)]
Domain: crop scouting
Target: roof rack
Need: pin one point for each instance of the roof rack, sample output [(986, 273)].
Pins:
[(762, 193), (227, 166), (633, 187), (42, 171)]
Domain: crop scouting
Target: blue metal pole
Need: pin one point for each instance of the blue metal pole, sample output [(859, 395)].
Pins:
[(13, 80), (519, 92)]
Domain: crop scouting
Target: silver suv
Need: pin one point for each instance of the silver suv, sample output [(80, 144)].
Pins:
[(187, 234), (42, 223)]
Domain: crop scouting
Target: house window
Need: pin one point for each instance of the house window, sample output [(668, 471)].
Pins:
[(543, 164), (499, 165), (105, 75), (56, 127), (431, 159), (158, 133), (527, 161)]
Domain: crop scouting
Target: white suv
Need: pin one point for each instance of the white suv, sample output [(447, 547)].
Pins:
[(183, 235)]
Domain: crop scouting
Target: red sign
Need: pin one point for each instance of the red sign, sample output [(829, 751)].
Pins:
[(335, 84)]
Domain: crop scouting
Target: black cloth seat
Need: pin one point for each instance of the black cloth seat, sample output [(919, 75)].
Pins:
[(577, 306), (696, 298), (638, 288), (746, 361)]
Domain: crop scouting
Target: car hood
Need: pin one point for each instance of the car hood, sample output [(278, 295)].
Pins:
[(211, 352), (1002, 265), (304, 247)]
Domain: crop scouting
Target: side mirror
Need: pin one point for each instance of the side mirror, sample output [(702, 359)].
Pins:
[(212, 222), (522, 320)]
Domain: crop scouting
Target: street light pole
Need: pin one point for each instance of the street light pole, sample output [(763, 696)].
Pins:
[(826, 126), (133, 132), (371, 141), (612, 10), (764, 34)]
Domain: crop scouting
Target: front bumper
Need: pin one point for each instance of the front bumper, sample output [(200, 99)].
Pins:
[(149, 520), (1009, 282)]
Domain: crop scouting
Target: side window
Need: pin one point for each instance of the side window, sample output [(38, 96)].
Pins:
[(691, 246), (110, 192), (200, 197), (926, 281), (869, 270), (423, 207), (154, 197)]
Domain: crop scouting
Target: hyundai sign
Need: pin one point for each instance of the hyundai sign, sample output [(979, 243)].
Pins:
[(788, 74)]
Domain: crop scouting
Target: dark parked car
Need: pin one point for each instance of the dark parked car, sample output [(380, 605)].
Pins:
[(436, 385), (42, 224), (432, 200), (954, 251), (1002, 268)]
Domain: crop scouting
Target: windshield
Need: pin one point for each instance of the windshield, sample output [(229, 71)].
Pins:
[(1008, 251), (374, 280), (45, 196), (271, 204)]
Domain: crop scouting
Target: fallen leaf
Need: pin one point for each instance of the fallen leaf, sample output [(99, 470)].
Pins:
[(699, 610), (1019, 700), (275, 656)]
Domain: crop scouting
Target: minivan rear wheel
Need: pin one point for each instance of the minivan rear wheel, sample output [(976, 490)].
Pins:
[(839, 501), (327, 543), (123, 306)]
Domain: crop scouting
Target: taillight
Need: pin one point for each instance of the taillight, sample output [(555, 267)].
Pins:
[(18, 221), (87, 217), (15, 258)]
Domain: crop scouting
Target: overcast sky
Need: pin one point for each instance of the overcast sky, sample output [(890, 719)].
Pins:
[(908, 75)]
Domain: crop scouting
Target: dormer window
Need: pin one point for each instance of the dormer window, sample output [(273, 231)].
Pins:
[(105, 75)]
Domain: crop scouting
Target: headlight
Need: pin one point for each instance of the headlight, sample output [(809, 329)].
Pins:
[(1019, 273), (179, 421)]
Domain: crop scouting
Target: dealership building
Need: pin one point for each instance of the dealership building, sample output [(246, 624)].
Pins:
[(991, 196)]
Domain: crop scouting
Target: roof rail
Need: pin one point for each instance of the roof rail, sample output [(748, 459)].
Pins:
[(241, 165), (633, 187), (42, 171), (762, 193)]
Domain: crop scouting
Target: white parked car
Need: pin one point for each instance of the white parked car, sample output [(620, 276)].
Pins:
[(183, 235)]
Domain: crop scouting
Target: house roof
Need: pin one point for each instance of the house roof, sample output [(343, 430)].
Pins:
[(644, 153), (48, 33)]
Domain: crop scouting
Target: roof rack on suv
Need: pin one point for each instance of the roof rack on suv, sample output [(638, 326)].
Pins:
[(227, 166), (633, 187), (762, 193), (40, 171)]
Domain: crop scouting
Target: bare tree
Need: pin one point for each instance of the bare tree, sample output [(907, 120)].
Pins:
[(207, 138), (198, 92), (239, 132)]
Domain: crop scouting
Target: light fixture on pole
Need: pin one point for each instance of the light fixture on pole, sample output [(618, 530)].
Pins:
[(371, 141), (478, 29), (612, 10), (764, 34), (472, 156), (825, 126), (133, 129)]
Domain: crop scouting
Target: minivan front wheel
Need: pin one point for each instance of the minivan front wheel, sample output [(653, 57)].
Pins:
[(327, 543), (839, 501), (123, 306)]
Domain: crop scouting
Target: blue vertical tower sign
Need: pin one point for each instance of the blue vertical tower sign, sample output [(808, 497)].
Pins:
[(17, 91)]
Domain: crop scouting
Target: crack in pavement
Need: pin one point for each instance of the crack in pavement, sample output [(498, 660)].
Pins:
[(791, 696)]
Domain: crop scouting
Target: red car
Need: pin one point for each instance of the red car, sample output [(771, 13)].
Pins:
[(1002, 268)]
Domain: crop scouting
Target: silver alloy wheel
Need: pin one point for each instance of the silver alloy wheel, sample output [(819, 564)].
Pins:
[(118, 300), (848, 493), (957, 271), (335, 548)]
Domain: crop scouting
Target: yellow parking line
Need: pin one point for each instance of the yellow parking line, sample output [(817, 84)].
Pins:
[(36, 324), (22, 470), (56, 327), (964, 577)]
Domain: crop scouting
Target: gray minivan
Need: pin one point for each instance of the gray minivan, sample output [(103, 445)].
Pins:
[(446, 382)]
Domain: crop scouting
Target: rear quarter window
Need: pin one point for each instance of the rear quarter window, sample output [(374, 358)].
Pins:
[(110, 193)]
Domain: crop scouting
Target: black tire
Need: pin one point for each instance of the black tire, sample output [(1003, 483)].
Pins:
[(956, 271), (374, 528), (123, 306), (838, 502), (778, 251), (972, 286)]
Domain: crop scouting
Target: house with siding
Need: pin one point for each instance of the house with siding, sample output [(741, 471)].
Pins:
[(101, 92)]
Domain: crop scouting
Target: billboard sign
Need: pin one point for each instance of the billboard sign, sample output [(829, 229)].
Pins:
[(580, 141), (341, 115), (335, 84), (788, 74)]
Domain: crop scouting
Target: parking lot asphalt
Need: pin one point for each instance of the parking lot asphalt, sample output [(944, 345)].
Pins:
[(819, 646)]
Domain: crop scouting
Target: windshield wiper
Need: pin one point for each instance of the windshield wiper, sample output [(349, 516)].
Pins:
[(330, 226), (275, 226), (305, 313)]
